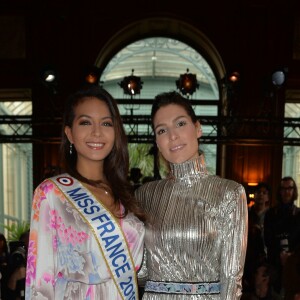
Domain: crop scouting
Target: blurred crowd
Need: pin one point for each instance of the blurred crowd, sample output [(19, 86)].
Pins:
[(13, 267), (272, 267)]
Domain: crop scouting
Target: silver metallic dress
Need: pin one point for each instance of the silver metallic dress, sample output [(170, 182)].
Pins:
[(196, 231)]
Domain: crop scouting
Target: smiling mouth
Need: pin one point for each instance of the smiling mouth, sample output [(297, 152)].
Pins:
[(176, 148), (95, 145)]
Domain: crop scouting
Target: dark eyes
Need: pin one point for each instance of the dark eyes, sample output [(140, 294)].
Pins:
[(178, 124), (87, 123), (107, 124), (84, 123), (181, 123), (160, 131)]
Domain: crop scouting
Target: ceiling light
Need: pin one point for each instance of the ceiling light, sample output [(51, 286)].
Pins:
[(187, 83), (92, 75), (131, 85), (234, 77), (49, 76), (279, 77)]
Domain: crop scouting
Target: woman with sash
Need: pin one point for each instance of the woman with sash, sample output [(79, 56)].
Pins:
[(86, 234), (196, 228)]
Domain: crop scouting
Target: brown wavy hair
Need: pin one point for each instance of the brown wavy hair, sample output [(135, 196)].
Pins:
[(116, 164)]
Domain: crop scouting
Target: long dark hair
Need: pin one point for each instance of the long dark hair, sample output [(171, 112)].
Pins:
[(116, 164)]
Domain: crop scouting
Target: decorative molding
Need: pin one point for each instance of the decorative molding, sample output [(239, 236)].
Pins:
[(296, 41), (15, 95), (292, 96)]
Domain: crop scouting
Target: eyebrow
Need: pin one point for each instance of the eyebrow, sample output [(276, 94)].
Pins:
[(89, 117), (179, 117)]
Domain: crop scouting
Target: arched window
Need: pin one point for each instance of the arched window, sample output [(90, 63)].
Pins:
[(158, 62)]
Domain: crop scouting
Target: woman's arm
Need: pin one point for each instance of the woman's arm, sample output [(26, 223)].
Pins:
[(40, 259), (234, 244)]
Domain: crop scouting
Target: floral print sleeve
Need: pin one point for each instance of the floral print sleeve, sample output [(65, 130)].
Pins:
[(64, 261), (41, 260)]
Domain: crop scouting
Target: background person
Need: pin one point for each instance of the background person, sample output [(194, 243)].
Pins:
[(4, 270), (282, 228), (256, 250), (135, 177), (291, 275), (261, 284), (17, 266), (82, 218), (196, 229), (262, 196)]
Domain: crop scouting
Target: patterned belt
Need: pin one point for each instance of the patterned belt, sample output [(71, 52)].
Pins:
[(199, 288)]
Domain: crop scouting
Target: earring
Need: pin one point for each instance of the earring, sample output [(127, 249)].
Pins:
[(71, 148)]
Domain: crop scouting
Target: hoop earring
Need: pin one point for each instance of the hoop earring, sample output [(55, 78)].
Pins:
[(71, 148)]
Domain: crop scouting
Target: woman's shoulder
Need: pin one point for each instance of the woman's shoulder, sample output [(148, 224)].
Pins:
[(149, 188), (149, 185), (58, 176), (50, 181), (229, 184), (227, 193)]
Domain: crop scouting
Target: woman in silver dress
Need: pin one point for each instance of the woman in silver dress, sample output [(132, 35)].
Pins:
[(196, 232)]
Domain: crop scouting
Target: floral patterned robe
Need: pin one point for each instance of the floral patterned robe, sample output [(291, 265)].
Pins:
[(64, 260)]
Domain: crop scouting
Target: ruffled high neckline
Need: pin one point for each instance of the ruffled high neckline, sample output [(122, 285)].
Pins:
[(189, 171)]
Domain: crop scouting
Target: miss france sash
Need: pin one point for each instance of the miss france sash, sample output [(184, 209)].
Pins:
[(108, 234)]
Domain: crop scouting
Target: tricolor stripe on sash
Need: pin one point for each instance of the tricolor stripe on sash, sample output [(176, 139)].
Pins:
[(107, 232)]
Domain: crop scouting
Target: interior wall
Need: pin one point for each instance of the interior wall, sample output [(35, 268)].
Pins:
[(253, 36), (246, 102), (253, 164)]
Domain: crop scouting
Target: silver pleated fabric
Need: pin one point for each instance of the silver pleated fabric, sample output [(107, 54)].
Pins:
[(196, 231)]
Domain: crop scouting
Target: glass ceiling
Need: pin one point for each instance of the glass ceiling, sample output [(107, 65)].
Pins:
[(159, 61)]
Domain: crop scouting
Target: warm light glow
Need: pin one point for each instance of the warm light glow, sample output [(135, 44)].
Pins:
[(234, 77), (91, 78), (91, 74), (251, 203), (252, 183), (131, 85), (187, 83)]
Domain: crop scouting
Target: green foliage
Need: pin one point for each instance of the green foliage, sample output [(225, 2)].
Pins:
[(139, 157), (16, 229)]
